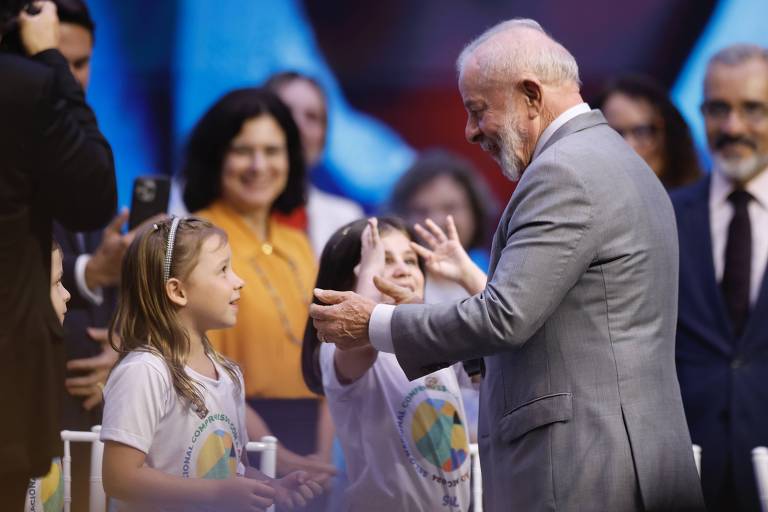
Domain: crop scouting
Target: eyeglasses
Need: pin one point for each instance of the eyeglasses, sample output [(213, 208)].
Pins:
[(753, 112), (642, 133)]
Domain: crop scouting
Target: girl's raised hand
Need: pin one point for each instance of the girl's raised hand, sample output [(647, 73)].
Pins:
[(372, 260), (372, 250), (295, 490), (446, 258)]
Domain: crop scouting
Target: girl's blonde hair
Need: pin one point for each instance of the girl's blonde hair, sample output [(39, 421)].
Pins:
[(147, 320)]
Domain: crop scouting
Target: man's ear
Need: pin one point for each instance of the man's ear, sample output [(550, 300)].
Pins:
[(176, 292), (532, 89)]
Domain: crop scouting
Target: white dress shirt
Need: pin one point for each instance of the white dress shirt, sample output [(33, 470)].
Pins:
[(720, 215), (379, 327)]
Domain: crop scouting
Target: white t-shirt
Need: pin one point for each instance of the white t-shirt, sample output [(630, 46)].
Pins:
[(405, 443), (142, 410)]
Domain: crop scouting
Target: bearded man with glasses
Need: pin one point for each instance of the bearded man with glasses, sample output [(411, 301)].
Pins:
[(722, 336)]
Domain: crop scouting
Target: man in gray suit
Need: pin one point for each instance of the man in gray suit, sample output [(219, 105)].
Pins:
[(580, 404)]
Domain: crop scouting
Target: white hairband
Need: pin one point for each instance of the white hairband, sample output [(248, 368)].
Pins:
[(169, 249)]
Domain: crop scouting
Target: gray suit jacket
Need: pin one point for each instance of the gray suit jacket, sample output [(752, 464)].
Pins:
[(580, 404)]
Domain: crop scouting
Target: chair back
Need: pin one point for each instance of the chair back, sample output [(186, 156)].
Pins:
[(268, 460), (97, 499), (760, 463), (477, 479)]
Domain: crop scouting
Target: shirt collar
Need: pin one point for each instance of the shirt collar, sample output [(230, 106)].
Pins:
[(576, 110), (721, 187)]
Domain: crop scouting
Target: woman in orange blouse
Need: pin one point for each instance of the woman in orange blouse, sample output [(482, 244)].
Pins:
[(243, 163)]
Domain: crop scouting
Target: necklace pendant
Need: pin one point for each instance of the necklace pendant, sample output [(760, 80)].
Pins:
[(266, 248)]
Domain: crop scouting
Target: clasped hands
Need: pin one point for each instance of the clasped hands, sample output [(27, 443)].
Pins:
[(345, 315)]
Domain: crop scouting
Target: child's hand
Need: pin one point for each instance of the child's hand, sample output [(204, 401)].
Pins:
[(240, 493), (295, 490), (446, 257), (372, 251)]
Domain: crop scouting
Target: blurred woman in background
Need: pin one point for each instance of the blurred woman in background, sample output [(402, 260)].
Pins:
[(641, 111), (324, 212)]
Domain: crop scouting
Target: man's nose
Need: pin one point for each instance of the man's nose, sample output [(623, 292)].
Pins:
[(734, 123), (472, 132)]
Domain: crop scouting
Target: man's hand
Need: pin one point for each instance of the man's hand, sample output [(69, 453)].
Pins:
[(39, 31), (91, 385), (103, 269), (345, 320)]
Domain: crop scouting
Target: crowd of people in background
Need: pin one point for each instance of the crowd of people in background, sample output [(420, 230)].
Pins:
[(254, 210)]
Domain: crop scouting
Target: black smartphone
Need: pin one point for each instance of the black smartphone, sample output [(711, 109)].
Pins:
[(150, 197)]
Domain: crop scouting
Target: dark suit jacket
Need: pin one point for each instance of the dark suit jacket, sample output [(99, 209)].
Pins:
[(722, 379), (81, 314), (54, 164)]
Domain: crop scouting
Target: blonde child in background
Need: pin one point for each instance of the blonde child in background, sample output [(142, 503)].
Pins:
[(174, 416)]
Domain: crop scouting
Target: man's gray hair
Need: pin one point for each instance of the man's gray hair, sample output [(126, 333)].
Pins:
[(738, 53), (551, 63)]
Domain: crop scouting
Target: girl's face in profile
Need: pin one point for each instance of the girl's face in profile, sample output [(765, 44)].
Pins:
[(212, 290), (401, 264), (59, 295)]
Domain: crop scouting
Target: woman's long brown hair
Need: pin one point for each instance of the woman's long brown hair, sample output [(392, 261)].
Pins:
[(147, 320)]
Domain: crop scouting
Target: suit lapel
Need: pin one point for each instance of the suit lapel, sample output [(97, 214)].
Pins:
[(697, 236)]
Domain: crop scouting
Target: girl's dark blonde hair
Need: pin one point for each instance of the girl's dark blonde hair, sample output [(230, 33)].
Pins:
[(146, 319)]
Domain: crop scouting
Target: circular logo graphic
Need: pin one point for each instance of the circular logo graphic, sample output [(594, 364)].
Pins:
[(217, 458), (47, 494), (439, 434)]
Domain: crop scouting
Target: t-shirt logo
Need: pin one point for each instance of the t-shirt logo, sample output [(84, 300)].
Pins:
[(47, 494), (217, 459), (439, 434), (434, 437), (214, 450)]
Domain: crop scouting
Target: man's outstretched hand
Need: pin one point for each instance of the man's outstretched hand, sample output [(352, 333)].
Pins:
[(344, 320)]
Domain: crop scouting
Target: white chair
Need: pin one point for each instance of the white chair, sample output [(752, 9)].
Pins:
[(97, 500), (760, 463), (268, 460), (697, 458), (477, 479)]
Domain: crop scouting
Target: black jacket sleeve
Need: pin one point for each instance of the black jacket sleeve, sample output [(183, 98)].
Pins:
[(73, 159)]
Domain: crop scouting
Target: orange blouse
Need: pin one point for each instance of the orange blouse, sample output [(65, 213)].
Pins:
[(279, 275)]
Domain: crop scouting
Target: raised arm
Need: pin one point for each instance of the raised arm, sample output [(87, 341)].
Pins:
[(352, 364), (445, 257), (70, 156)]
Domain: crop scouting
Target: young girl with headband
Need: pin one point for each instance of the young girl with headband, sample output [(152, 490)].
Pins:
[(174, 417)]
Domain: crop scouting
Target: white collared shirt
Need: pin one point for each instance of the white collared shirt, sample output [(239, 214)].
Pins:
[(576, 110), (379, 327), (720, 215)]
